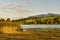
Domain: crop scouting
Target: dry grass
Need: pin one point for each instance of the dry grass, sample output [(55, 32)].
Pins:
[(30, 36), (20, 35)]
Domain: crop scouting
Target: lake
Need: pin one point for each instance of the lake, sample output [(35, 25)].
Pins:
[(40, 26)]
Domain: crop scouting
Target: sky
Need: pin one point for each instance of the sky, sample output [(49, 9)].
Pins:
[(23, 8)]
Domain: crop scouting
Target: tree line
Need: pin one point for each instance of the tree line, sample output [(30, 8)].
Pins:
[(2, 19), (47, 20), (42, 20)]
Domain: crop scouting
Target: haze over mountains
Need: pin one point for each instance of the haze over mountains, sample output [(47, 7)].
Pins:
[(35, 16), (44, 15), (40, 15)]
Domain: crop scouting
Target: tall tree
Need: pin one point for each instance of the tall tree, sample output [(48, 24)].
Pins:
[(8, 19)]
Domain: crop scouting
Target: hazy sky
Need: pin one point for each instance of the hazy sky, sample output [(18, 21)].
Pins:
[(24, 8)]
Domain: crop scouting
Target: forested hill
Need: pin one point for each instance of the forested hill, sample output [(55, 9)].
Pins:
[(45, 15), (49, 18)]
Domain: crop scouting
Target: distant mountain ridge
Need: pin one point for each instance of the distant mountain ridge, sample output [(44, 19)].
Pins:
[(49, 18), (44, 15)]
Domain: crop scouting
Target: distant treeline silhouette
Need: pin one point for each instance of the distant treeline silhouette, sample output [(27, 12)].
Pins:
[(42, 20), (39, 19)]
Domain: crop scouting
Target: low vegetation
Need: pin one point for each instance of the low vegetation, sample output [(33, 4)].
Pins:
[(53, 34), (53, 19), (42, 20)]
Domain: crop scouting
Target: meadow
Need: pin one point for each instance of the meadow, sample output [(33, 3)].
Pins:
[(10, 29), (50, 35)]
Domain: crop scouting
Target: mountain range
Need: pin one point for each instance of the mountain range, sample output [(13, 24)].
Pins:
[(44, 15)]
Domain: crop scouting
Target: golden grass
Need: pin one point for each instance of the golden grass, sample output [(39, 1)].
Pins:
[(30, 36), (10, 33)]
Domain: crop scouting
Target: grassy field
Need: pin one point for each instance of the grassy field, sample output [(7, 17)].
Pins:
[(27, 35), (32, 36)]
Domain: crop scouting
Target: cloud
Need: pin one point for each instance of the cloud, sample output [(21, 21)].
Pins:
[(12, 5), (30, 1), (14, 10), (15, 7)]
